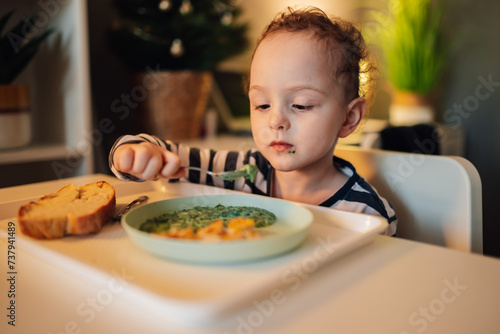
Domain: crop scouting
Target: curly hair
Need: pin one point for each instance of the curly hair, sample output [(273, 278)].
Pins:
[(340, 38)]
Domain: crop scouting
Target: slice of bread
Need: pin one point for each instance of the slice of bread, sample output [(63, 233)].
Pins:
[(71, 210)]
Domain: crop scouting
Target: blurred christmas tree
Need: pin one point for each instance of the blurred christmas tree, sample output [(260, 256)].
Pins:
[(176, 34)]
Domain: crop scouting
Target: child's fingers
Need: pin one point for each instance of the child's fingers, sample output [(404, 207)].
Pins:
[(180, 173), (153, 167), (142, 155), (123, 158), (143, 160), (171, 165), (148, 161)]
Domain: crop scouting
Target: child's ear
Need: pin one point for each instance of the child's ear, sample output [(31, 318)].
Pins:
[(355, 111)]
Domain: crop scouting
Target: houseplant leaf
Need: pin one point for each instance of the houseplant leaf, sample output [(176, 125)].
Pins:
[(411, 39), (4, 20), (17, 48)]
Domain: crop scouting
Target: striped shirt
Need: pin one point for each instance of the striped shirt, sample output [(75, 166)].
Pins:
[(356, 195)]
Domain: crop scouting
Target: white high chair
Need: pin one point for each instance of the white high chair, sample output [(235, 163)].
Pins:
[(437, 198)]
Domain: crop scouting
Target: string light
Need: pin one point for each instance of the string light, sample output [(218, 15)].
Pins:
[(177, 49), (186, 7), (227, 18), (165, 5)]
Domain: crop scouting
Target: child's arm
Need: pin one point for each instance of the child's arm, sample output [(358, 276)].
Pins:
[(143, 157)]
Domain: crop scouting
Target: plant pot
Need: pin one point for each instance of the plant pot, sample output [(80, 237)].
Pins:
[(174, 103), (410, 108), (15, 116)]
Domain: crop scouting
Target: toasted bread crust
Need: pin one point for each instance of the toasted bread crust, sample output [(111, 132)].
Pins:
[(70, 215)]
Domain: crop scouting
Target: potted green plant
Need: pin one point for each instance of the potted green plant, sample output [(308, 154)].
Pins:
[(17, 49), (413, 44), (175, 45)]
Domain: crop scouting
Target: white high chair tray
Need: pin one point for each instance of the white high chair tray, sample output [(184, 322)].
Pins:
[(191, 293)]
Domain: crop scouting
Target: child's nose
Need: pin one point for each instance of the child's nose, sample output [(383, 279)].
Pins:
[(278, 120)]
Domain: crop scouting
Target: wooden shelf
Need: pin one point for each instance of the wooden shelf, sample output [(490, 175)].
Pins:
[(35, 153)]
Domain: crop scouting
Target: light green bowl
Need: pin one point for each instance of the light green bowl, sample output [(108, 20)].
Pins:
[(287, 233)]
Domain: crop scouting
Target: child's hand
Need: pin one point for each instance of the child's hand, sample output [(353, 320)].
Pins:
[(147, 161)]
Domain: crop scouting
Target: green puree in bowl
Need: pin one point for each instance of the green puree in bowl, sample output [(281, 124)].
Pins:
[(201, 216)]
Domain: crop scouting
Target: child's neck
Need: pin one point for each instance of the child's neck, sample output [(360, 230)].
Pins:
[(307, 187)]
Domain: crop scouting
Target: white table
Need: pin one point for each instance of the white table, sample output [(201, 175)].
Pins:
[(388, 286)]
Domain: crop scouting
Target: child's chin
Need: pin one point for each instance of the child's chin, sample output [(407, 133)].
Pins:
[(284, 166)]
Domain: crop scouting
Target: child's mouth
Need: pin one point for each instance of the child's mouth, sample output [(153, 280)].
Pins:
[(281, 146)]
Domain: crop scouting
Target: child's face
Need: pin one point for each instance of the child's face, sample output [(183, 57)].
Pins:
[(297, 106)]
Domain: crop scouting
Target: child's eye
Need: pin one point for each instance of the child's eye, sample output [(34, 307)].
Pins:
[(301, 107), (262, 107)]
